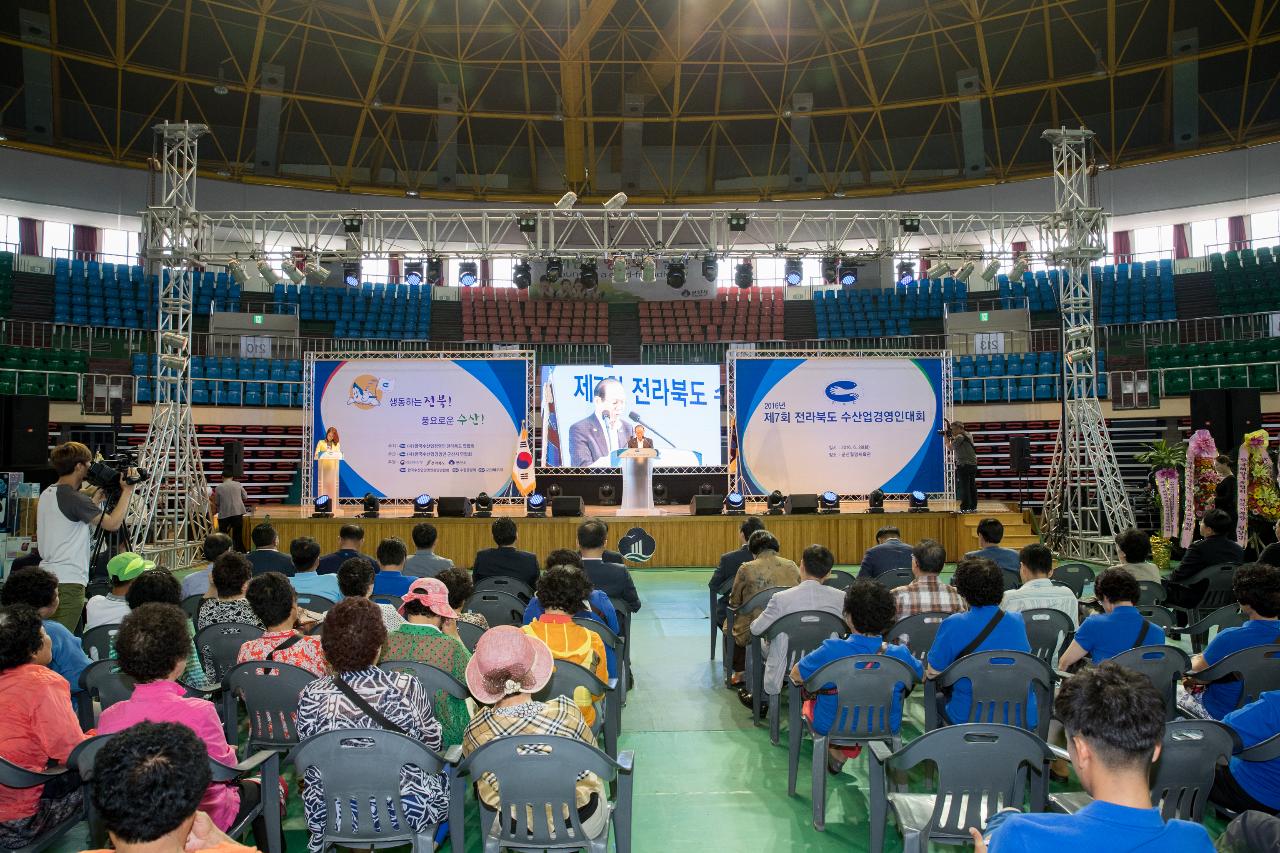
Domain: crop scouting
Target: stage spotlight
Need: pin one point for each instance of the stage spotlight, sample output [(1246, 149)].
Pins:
[(520, 275), (467, 274), (322, 507), (567, 201), (828, 503), (268, 274), (435, 271), (351, 273), (411, 193), (616, 202), (990, 270), (314, 273), (649, 270), (351, 223), (875, 501), (535, 506), (743, 275), (424, 506), (793, 272), (1020, 266), (910, 224), (237, 271), (554, 491), (738, 221), (483, 505), (919, 502), (554, 268), (906, 273), (606, 496), (710, 268), (830, 269), (941, 269), (965, 272), (588, 275), (735, 504), (705, 489), (775, 503), (1076, 334), (1080, 355), (290, 269), (175, 363), (413, 272), (660, 494), (371, 506), (619, 268), (848, 272), (675, 274), (528, 223), (175, 341)]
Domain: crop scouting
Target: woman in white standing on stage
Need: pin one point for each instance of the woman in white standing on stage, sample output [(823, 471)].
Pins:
[(329, 457)]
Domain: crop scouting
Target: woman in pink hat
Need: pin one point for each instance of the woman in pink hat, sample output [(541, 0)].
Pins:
[(425, 637), (507, 668)]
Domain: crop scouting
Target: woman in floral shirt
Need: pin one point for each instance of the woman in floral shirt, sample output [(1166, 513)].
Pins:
[(429, 637)]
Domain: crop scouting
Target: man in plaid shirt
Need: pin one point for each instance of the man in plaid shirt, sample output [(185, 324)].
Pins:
[(927, 594)]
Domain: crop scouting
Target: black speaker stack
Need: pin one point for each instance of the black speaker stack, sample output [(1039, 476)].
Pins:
[(1228, 415)]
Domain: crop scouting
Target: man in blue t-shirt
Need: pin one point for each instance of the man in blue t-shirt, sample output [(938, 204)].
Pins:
[(870, 610), (1118, 628), (1251, 785), (980, 583), (1114, 720), (1257, 589)]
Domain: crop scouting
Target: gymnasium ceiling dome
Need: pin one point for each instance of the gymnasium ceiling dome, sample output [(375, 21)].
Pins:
[(666, 100)]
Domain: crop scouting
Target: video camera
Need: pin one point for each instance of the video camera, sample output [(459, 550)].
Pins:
[(110, 472)]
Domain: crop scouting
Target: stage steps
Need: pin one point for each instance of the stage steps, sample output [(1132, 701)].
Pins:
[(446, 320), (624, 332), (1017, 531)]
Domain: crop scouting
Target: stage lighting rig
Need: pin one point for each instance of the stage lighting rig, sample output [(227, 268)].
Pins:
[(738, 221), (830, 269), (483, 506), (413, 272), (268, 274), (910, 224), (848, 272), (660, 494), (467, 274), (322, 507), (314, 273), (675, 274), (1019, 267), (918, 502), (990, 270), (875, 501), (828, 503), (554, 491), (527, 222), (616, 202), (351, 273), (435, 271), (352, 222), (535, 506), (710, 268), (775, 503), (521, 277), (371, 506), (965, 272), (237, 271), (743, 276), (1080, 355), (554, 268), (619, 269), (567, 201), (793, 272), (588, 274), (735, 504), (424, 506), (606, 496), (649, 270), (941, 269), (290, 269)]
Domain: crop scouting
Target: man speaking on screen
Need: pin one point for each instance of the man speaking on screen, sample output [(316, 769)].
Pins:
[(595, 437)]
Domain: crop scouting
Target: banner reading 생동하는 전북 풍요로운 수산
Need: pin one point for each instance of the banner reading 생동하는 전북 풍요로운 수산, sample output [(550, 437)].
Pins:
[(414, 426), (850, 425)]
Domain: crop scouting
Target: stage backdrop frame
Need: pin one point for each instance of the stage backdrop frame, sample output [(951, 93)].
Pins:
[(734, 355), (309, 401)]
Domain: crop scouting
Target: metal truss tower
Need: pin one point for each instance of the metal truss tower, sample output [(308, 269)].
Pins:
[(1086, 501), (168, 517)]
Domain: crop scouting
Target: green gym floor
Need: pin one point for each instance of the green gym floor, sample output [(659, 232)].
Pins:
[(705, 778)]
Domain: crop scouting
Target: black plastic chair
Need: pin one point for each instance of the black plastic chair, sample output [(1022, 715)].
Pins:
[(839, 578), (191, 605), (1165, 666), (567, 677), (537, 776), (1049, 632), (96, 642), (1224, 617), (100, 681), (315, 603), (804, 631), (713, 605), (866, 690), (498, 608), (623, 612), (895, 578), (13, 776), (1073, 575), (752, 605), (1001, 682), (1150, 592), (434, 680), (1211, 588), (219, 647), (917, 632), (360, 770), (1256, 669), (469, 634), (1158, 615), (980, 769), (394, 600), (514, 586), (611, 641)]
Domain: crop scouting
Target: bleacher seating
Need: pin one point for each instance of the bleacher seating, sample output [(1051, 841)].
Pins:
[(230, 381), (854, 313), (749, 315), (371, 311), (1249, 363), (1013, 377), (1247, 281), (1038, 288), (89, 293), (41, 372), (1135, 293), (509, 315)]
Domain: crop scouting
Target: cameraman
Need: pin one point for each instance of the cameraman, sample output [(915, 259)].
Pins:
[(966, 458), (65, 523)]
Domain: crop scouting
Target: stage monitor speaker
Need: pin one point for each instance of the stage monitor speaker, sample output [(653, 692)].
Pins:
[(1227, 414), (1019, 454), (706, 504), (233, 457), (567, 506), (454, 507), (24, 432), (802, 504)]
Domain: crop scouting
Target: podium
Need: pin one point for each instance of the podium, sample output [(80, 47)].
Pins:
[(637, 478)]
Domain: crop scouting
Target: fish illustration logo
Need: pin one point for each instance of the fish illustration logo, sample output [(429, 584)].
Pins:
[(842, 391)]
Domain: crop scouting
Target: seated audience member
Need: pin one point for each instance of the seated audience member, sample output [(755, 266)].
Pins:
[(391, 579), (266, 556), (1250, 832), (990, 535), (111, 608), (161, 587), (40, 727), (275, 603), (1257, 589), (1118, 628), (460, 589), (198, 582), (927, 594), (355, 580), (764, 571), (1218, 546), (353, 635), (888, 554), (350, 538), (427, 635), (981, 584), (1114, 720), (152, 649), (1251, 785), (505, 560), (562, 589), (810, 594), (231, 575), (305, 556), (508, 667), (597, 606), (1037, 591), (869, 612), (727, 568), (425, 563), (1270, 554), (38, 589), (148, 783), (1224, 494), (613, 579), (1133, 548)]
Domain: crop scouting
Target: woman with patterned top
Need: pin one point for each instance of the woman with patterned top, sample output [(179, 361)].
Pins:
[(355, 580), (562, 590), (275, 603), (353, 634), (460, 588), (429, 637), (508, 667), (231, 574), (160, 587)]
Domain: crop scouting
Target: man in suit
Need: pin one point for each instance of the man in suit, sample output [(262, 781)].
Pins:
[(610, 578), (639, 440), (505, 560), (266, 556), (730, 562), (889, 553), (350, 538), (603, 431), (426, 563), (1218, 546), (990, 534)]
